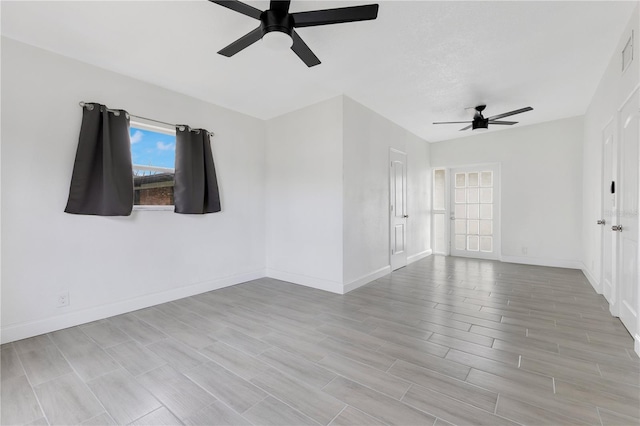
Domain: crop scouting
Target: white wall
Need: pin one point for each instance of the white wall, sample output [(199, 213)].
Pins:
[(541, 173), (112, 265), (367, 139), (304, 196), (613, 90)]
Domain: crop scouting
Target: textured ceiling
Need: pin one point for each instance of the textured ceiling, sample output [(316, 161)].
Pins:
[(420, 61)]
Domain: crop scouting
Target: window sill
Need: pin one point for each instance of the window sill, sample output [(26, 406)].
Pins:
[(154, 208)]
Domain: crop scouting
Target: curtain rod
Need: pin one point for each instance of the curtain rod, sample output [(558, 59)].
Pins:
[(182, 127)]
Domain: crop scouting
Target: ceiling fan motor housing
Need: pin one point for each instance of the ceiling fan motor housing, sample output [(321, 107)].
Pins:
[(274, 20), (479, 122)]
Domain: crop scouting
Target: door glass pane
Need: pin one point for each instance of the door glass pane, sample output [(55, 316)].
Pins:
[(486, 211), (486, 244), (472, 243), (473, 179), (459, 211), (486, 227), (486, 195), (438, 230), (460, 242), (460, 180), (472, 227), (472, 211), (461, 226), (472, 194), (486, 179), (438, 189), (460, 195)]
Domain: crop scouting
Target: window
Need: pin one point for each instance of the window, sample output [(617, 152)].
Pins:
[(153, 154)]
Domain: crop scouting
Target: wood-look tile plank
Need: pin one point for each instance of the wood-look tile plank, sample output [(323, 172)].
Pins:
[(159, 417), (450, 409), (138, 330), (123, 397), (134, 357), (458, 389), (42, 365), (67, 400), (296, 366), (104, 333), (441, 365), (585, 393), (384, 408), (10, 366), (179, 394), (217, 414), (375, 359), (240, 341), (353, 417), (18, 403), (535, 396), (233, 390), (271, 412), (87, 358), (610, 418), (238, 362), (421, 345), (524, 413), (102, 419), (371, 377), (176, 354), (313, 403), (32, 343)]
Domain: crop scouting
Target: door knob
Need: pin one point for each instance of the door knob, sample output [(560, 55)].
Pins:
[(601, 222), (405, 216), (616, 228)]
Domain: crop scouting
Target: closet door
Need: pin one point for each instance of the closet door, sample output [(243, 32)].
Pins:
[(627, 229)]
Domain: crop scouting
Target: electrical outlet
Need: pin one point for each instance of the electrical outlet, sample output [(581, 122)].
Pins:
[(63, 299), (525, 250)]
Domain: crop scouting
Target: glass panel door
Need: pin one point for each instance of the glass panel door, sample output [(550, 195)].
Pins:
[(474, 212)]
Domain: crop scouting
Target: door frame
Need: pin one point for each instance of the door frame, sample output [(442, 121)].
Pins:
[(497, 219)]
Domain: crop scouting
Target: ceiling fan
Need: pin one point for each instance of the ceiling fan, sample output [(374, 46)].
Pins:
[(479, 122), (277, 25)]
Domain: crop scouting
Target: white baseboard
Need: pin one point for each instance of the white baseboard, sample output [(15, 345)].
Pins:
[(540, 261), (20, 331), (636, 344), (418, 256), (597, 286), (318, 283), (366, 279)]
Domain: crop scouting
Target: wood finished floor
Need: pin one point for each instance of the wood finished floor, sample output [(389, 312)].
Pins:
[(442, 341)]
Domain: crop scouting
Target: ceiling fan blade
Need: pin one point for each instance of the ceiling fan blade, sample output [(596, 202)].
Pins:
[(451, 122), (335, 16), (241, 43), (302, 50), (280, 6), (239, 7), (466, 128), (507, 114), (507, 123)]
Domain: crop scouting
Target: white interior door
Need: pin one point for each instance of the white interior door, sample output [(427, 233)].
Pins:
[(475, 212), (398, 209), (627, 277), (609, 216)]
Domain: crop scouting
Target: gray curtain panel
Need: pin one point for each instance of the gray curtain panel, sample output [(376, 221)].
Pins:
[(196, 184), (102, 180)]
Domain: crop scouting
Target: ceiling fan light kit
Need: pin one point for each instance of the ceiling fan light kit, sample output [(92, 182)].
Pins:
[(479, 122), (277, 25)]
